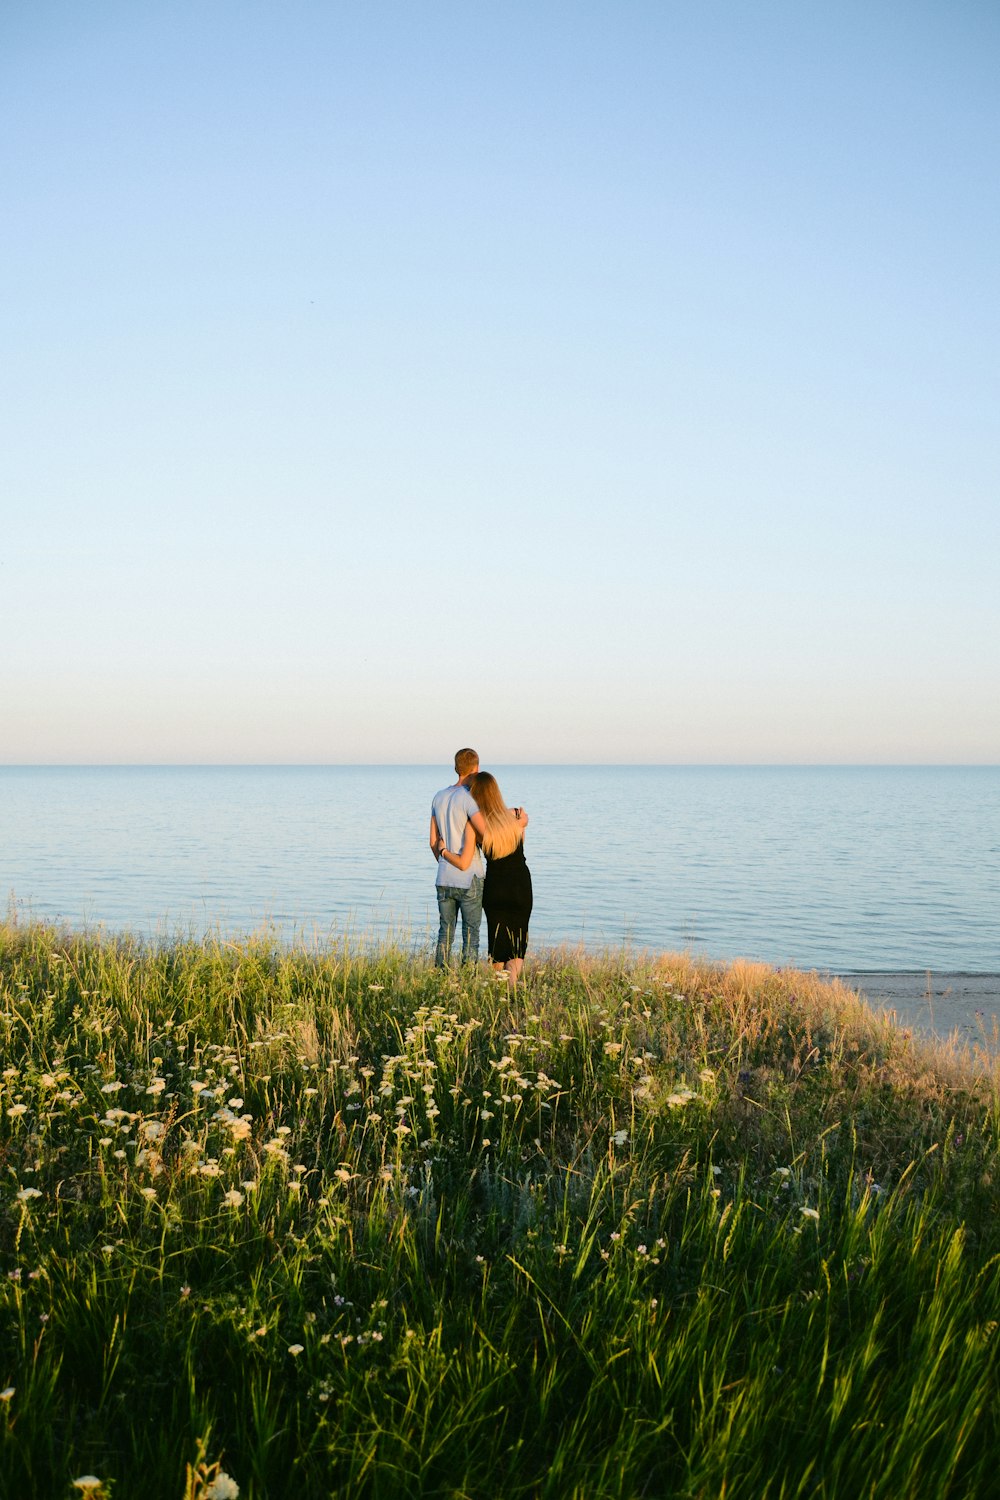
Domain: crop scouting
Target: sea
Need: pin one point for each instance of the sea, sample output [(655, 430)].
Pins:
[(841, 869)]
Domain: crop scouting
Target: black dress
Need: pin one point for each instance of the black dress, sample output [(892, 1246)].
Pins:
[(507, 904)]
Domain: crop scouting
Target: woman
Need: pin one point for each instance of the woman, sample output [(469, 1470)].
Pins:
[(507, 891)]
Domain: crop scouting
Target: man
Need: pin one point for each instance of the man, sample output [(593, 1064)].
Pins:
[(452, 810)]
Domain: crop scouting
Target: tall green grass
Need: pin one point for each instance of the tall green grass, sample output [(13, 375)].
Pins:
[(333, 1223)]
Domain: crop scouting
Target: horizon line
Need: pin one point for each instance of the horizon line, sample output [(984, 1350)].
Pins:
[(317, 765)]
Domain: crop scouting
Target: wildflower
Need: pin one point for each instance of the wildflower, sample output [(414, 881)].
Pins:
[(7, 1393), (157, 1086), (27, 1193), (151, 1129), (809, 1213), (185, 1290), (87, 1483), (14, 1110), (707, 1075), (295, 1350), (104, 1141), (108, 1088), (376, 987), (236, 1103), (641, 1250), (223, 1487), (620, 1137), (149, 1192), (234, 1198)]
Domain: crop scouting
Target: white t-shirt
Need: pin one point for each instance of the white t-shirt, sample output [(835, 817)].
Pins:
[(452, 809)]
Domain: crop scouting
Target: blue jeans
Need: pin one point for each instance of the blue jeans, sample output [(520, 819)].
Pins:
[(453, 899)]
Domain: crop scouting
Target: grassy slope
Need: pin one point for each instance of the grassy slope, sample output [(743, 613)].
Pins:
[(351, 1226)]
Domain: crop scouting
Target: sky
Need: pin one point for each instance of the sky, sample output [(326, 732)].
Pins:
[(596, 382)]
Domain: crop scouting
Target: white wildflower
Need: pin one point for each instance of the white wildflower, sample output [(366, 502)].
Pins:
[(223, 1487)]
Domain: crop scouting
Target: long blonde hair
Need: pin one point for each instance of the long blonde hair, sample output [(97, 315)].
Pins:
[(503, 831)]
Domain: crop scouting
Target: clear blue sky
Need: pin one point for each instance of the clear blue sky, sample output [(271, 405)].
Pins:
[(584, 382)]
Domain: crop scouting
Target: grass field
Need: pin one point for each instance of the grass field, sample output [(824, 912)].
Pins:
[(332, 1223)]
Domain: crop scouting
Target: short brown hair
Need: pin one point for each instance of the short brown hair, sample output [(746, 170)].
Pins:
[(466, 761)]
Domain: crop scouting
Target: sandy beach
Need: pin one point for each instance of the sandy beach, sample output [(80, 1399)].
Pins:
[(941, 1005)]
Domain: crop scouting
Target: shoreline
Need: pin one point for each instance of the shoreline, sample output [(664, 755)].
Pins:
[(940, 1005)]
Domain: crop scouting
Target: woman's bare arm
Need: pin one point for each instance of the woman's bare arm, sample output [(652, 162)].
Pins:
[(464, 860)]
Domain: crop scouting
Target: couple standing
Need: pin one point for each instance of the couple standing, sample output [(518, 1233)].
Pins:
[(468, 819)]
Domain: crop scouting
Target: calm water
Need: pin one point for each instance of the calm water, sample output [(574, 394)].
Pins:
[(841, 869)]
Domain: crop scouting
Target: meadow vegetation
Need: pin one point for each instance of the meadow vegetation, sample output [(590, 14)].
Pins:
[(313, 1223)]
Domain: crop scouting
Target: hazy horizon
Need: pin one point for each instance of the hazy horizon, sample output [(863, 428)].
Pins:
[(624, 765)]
